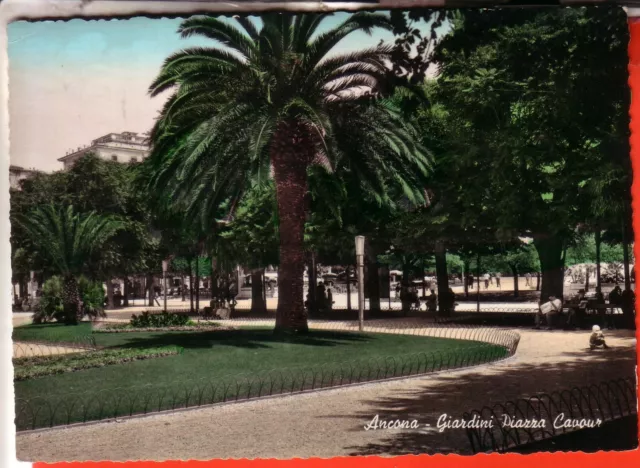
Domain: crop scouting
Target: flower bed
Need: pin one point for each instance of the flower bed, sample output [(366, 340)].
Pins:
[(38, 366)]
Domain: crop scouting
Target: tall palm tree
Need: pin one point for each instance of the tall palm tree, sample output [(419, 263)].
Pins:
[(68, 241), (272, 100)]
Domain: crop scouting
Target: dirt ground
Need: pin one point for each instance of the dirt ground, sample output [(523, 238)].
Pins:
[(23, 349), (331, 423)]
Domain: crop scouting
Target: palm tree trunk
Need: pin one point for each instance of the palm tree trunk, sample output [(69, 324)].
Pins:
[(70, 300), (290, 154)]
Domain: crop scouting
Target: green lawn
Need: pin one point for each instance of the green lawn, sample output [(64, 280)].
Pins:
[(55, 332), (222, 365)]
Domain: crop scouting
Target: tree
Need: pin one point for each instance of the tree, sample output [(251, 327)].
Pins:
[(70, 242), (251, 238), (537, 128), (273, 100)]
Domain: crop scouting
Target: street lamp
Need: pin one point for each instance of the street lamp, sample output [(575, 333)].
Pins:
[(165, 267), (360, 263)]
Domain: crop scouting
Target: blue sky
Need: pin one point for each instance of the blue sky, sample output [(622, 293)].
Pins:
[(71, 82)]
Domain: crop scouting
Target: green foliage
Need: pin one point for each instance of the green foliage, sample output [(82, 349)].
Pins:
[(70, 242), (523, 258), (251, 238), (164, 319), (583, 250), (92, 295), (50, 306), (31, 367)]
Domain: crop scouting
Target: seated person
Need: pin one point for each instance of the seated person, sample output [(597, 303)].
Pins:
[(548, 310), (597, 338)]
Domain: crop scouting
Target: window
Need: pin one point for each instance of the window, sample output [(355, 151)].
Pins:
[(114, 157), (134, 160)]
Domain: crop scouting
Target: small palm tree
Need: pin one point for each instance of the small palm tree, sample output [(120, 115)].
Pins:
[(67, 241), (272, 101)]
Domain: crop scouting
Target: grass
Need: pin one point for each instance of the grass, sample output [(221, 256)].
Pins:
[(229, 364), (53, 332), (31, 367)]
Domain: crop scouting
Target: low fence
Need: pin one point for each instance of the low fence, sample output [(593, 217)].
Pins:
[(55, 410), (546, 415), (27, 348)]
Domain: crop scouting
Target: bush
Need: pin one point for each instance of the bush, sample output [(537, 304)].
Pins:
[(92, 295), (50, 306), (165, 319)]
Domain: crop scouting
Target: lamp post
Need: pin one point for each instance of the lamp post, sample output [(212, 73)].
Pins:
[(165, 267), (360, 263)]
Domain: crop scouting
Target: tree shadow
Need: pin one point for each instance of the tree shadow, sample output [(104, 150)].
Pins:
[(428, 399), (252, 339)]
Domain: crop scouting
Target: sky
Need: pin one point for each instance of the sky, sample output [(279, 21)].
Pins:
[(71, 82)]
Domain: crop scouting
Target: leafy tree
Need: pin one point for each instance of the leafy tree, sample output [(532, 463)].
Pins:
[(70, 242), (537, 129), (275, 97)]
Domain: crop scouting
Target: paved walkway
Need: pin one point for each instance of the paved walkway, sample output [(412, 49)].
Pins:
[(331, 423)]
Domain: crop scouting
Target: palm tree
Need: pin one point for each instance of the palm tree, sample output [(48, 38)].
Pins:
[(67, 241), (273, 101)]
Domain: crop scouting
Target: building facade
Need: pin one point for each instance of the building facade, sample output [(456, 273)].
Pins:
[(17, 174), (126, 147)]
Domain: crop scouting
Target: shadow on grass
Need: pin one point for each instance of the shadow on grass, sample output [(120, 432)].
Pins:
[(246, 338)]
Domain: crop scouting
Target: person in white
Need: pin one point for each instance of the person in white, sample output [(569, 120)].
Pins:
[(548, 310)]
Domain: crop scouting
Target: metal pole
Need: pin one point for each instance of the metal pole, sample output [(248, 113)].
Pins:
[(361, 292)]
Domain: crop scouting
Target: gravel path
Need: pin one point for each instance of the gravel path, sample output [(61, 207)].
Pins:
[(25, 349), (331, 423)]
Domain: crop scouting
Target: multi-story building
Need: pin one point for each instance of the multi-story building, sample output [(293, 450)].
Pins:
[(126, 147), (18, 174)]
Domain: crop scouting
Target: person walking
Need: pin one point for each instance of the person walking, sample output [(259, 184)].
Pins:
[(487, 277), (498, 275), (527, 279)]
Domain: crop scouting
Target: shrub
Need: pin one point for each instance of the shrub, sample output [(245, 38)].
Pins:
[(92, 294), (165, 319), (50, 306)]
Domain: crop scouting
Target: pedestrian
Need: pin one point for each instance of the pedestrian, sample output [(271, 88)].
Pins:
[(329, 299), (491, 275), (486, 280), (432, 302), (628, 301), (527, 279), (498, 275)]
